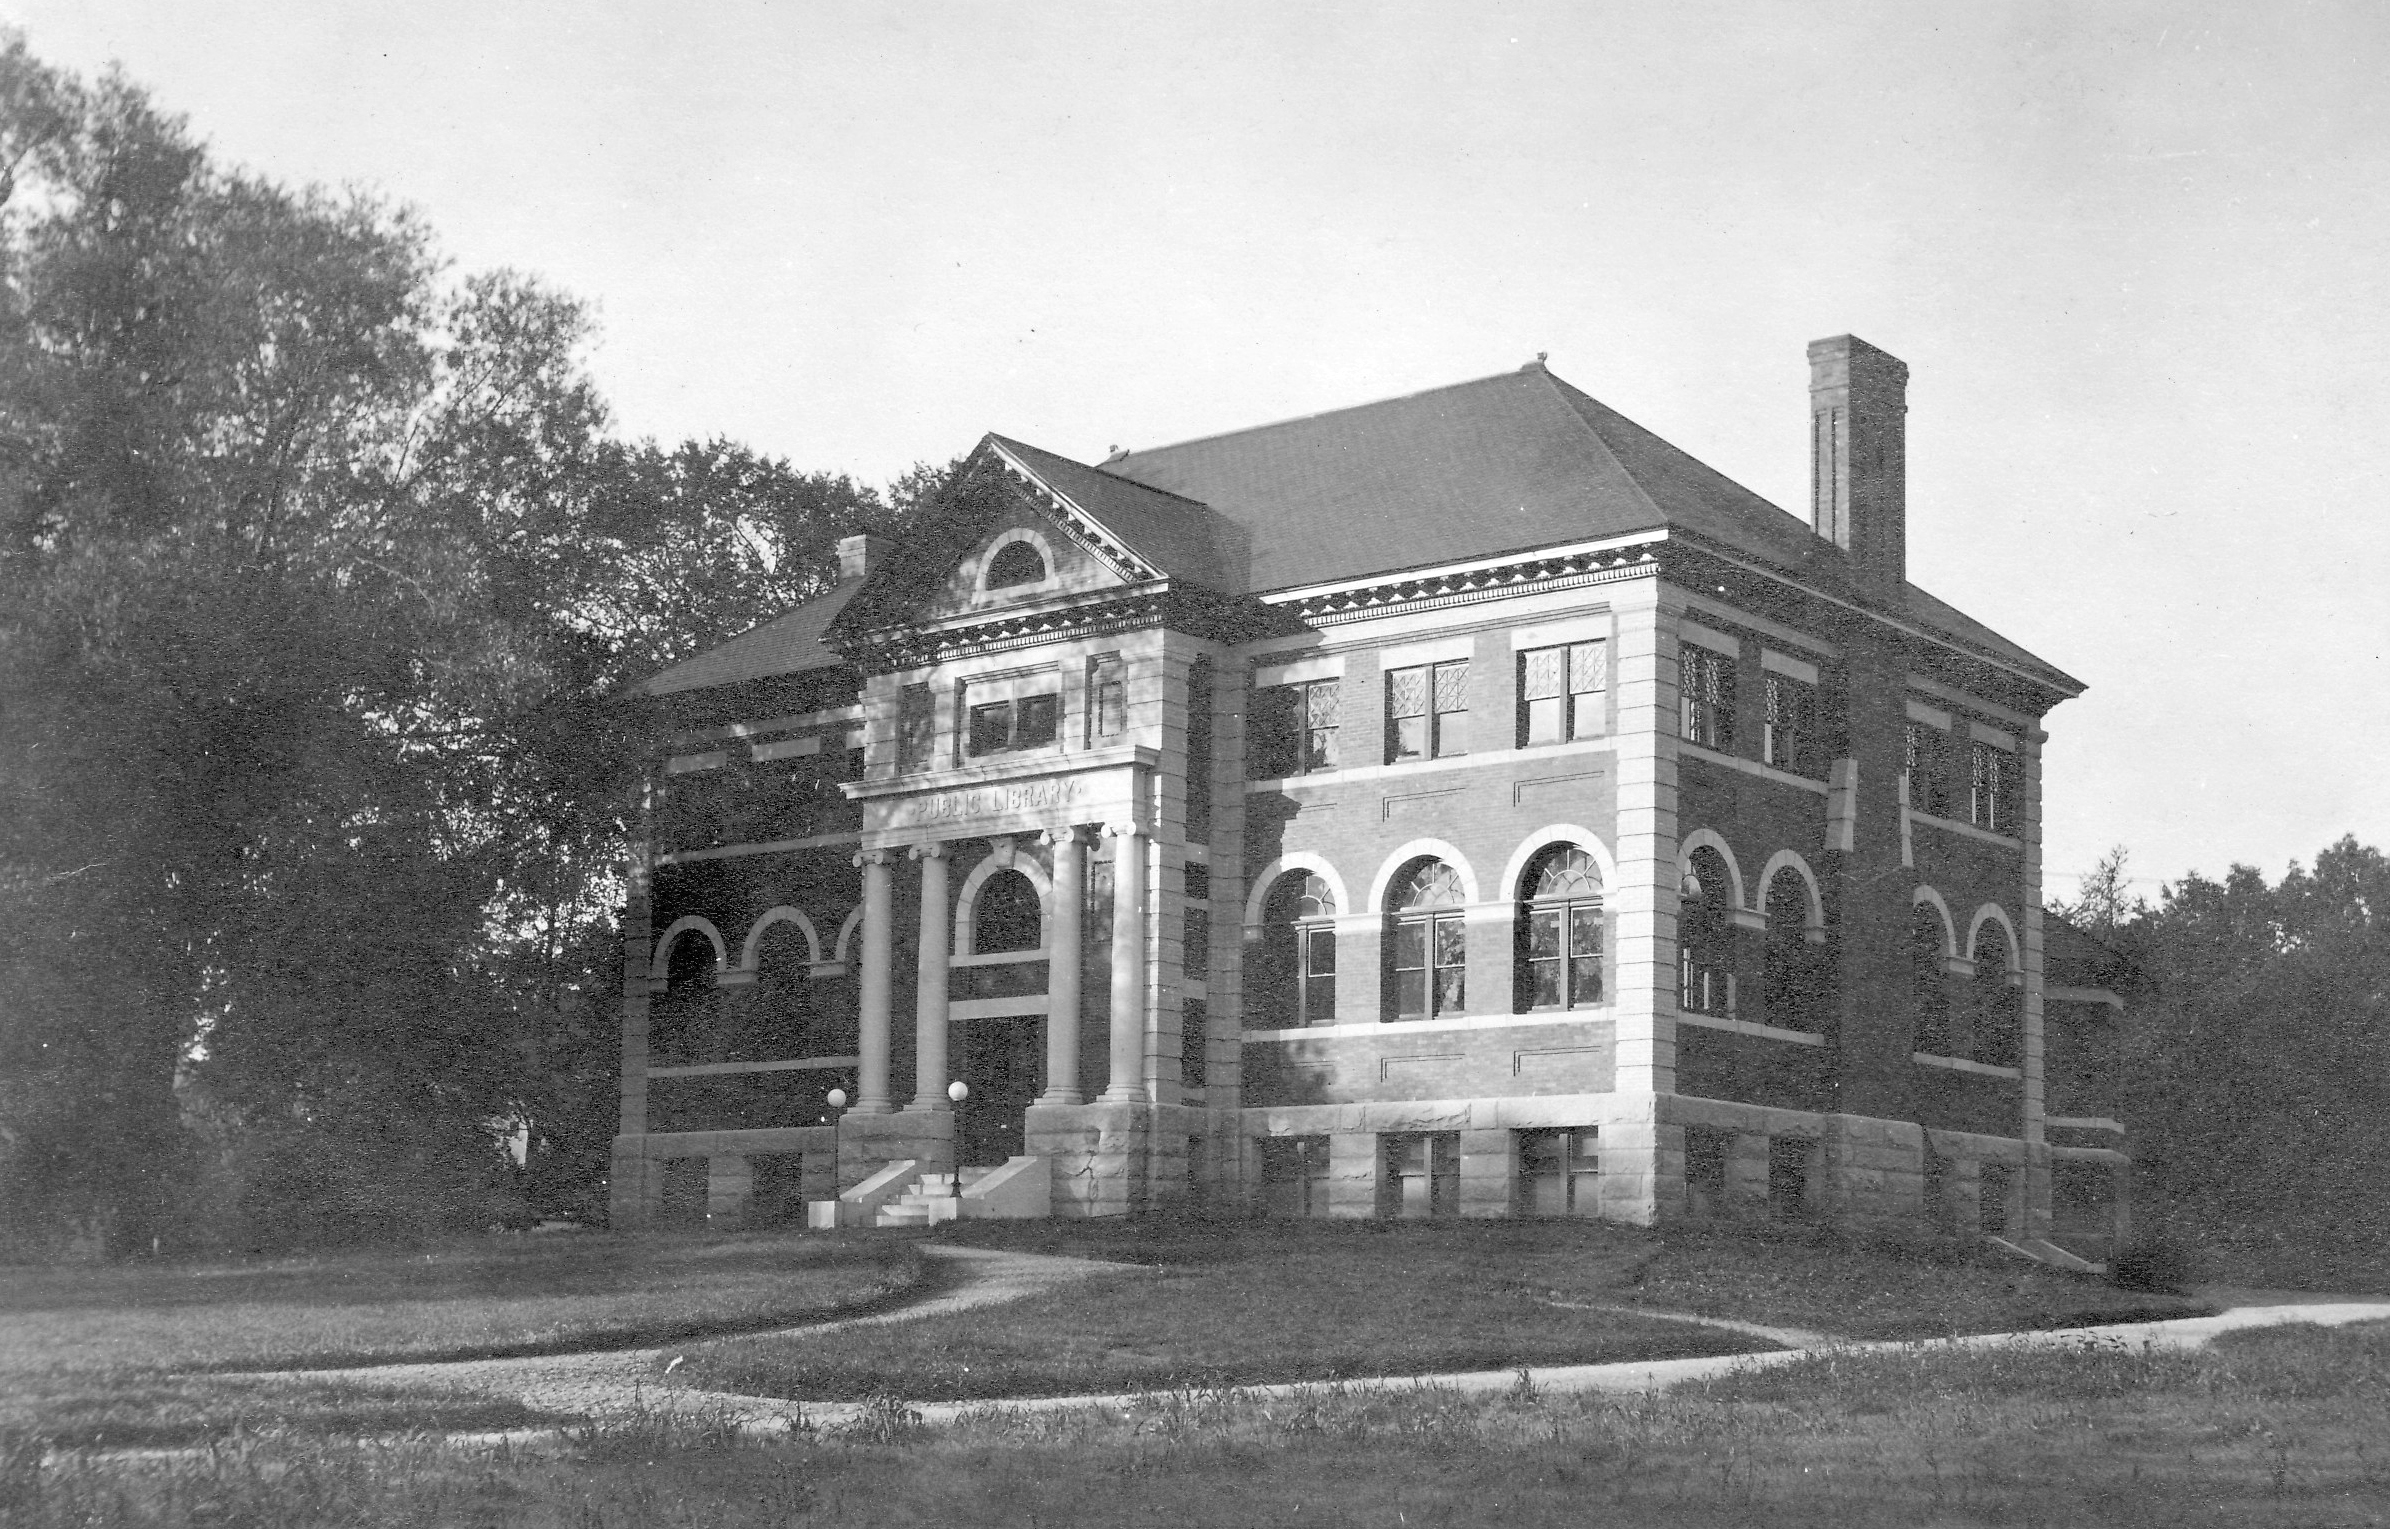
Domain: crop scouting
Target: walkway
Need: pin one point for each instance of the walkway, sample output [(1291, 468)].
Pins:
[(619, 1383)]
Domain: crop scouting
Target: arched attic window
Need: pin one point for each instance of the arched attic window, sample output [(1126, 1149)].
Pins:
[(1705, 938), (1559, 926), (1429, 951), (1006, 915), (1016, 563), (1297, 983)]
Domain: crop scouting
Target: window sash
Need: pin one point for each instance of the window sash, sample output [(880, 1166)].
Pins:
[(1431, 969), (1706, 685)]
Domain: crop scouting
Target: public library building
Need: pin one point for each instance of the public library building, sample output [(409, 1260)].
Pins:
[(1467, 804)]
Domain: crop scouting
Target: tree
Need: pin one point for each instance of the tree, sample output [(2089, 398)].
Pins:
[(317, 571)]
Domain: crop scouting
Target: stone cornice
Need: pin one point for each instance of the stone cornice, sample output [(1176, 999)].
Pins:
[(1469, 585)]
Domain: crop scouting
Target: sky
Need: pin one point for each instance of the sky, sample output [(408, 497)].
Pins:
[(2134, 255)]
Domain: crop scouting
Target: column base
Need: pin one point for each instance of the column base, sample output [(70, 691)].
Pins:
[(1057, 1098)]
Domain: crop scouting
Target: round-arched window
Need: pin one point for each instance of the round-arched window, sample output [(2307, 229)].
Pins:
[(1005, 915), (1560, 931), (1931, 994), (1016, 563), (1999, 1017), (1704, 937), (1792, 979), (1429, 952), (1298, 985)]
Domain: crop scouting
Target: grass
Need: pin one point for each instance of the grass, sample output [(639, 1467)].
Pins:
[(1246, 1303), (148, 1353), (2276, 1427), (485, 1298)]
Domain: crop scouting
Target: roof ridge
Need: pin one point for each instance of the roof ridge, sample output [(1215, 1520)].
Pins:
[(1098, 467), (1303, 419), (1561, 389)]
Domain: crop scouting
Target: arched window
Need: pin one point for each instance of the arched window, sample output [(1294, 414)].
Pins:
[(1429, 951), (1016, 563), (681, 1020), (1006, 915), (1792, 990), (1930, 997), (780, 1009), (1560, 932), (1999, 1009), (1297, 985), (1704, 938)]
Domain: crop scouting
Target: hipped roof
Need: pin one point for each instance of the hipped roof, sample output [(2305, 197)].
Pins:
[(1503, 464)]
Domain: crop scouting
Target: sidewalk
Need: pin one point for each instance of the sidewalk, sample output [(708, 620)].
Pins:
[(766, 1414)]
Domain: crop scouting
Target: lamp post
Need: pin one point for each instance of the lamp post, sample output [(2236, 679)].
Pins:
[(958, 1091)]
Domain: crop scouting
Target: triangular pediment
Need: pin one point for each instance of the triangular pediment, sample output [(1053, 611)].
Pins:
[(1026, 528)]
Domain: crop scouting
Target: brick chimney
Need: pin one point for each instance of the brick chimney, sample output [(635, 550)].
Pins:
[(859, 555), (1858, 456)]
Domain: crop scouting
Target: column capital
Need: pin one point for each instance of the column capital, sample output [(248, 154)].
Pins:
[(875, 857), (935, 849), (1127, 830), (1067, 834)]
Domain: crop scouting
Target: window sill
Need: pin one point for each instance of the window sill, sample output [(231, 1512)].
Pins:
[(1412, 768), (1738, 763), (1966, 830), (1751, 1028), (1444, 1023), (1961, 1064)]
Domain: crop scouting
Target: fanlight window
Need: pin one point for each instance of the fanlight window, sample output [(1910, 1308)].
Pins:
[(1016, 563), (1560, 933), (1430, 944)]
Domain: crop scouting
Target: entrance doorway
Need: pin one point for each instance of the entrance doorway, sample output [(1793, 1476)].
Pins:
[(1004, 1062)]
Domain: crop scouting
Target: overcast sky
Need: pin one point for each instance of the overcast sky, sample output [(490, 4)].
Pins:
[(2135, 256)]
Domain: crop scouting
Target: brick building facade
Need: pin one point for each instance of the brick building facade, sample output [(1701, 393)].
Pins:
[(1464, 804)]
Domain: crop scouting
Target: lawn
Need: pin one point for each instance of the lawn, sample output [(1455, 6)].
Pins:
[(1244, 1302), (140, 1352), (2276, 1427), (486, 1297)]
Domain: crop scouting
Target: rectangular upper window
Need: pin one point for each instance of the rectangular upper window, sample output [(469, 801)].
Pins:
[(1294, 728), (1788, 735), (1427, 711), (1002, 715), (1561, 692), (916, 728), (1705, 689), (1993, 783), (1928, 785), (1107, 697)]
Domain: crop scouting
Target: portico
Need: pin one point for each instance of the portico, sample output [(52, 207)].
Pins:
[(1042, 820)]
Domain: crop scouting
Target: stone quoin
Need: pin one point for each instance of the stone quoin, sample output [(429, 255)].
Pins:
[(1467, 804)]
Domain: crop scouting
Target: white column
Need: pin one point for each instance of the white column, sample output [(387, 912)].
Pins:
[(1128, 965), (1062, 968), (929, 993), (878, 956)]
